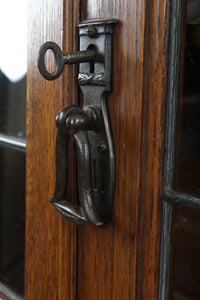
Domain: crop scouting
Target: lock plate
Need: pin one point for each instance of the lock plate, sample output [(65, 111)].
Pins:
[(95, 80), (97, 34)]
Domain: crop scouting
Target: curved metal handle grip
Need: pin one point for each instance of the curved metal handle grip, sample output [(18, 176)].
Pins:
[(74, 121)]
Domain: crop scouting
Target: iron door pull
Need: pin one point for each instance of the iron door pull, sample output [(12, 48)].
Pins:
[(89, 126)]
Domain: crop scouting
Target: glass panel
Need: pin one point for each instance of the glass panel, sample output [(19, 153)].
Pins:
[(185, 233), (12, 106), (185, 254), (13, 66), (12, 206), (187, 161)]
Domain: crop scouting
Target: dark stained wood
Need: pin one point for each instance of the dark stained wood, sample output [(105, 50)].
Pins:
[(152, 148), (50, 239), (121, 261)]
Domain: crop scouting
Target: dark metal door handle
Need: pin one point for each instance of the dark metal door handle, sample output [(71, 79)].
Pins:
[(89, 126)]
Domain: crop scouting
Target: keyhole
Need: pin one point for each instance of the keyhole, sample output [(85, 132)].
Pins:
[(102, 176), (94, 174), (91, 47)]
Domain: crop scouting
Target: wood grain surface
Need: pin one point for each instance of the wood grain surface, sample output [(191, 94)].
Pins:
[(120, 261), (152, 147), (107, 257), (50, 239)]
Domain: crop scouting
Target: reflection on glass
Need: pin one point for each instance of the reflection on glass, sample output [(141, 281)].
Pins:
[(12, 206), (13, 36), (185, 234), (13, 65), (12, 107), (187, 164), (185, 254)]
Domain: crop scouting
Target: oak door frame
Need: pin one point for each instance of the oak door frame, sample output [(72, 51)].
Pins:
[(51, 242)]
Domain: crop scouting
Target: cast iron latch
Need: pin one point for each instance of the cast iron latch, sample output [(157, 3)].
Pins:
[(89, 126)]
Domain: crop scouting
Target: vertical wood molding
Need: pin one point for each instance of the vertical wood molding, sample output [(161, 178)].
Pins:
[(152, 147), (50, 239), (107, 257), (124, 258)]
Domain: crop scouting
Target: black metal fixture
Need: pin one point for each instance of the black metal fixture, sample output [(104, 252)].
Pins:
[(89, 126)]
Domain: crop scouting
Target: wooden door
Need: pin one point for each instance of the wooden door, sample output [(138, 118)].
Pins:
[(120, 261)]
